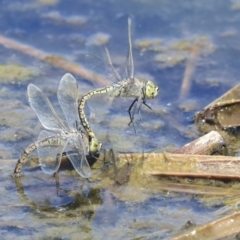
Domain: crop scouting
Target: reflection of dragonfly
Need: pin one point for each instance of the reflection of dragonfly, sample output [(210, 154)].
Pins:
[(61, 137), (128, 87)]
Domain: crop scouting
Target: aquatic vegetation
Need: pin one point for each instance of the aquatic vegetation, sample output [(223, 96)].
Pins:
[(10, 73), (148, 43), (60, 19), (170, 53)]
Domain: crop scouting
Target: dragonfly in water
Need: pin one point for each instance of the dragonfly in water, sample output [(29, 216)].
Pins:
[(59, 136), (127, 86)]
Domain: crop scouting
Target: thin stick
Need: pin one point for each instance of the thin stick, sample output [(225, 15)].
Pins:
[(56, 61), (210, 143), (189, 71), (219, 229), (197, 189)]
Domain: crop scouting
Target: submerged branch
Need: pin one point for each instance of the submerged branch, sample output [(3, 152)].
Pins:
[(189, 71), (56, 61)]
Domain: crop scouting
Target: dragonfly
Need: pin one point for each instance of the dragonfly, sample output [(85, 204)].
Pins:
[(126, 86), (58, 136)]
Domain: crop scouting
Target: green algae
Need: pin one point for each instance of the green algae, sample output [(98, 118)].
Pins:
[(11, 73)]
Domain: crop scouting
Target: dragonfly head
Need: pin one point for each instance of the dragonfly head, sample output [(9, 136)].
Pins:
[(94, 145), (151, 90)]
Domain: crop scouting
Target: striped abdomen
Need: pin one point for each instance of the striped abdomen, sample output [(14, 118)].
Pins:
[(81, 106), (54, 141)]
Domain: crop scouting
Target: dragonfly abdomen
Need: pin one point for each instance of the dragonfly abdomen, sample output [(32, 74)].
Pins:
[(23, 158), (52, 141), (82, 105)]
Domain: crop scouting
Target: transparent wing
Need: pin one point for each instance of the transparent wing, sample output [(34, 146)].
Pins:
[(76, 153), (44, 109), (68, 99), (98, 60), (129, 64), (110, 65), (50, 147), (103, 68)]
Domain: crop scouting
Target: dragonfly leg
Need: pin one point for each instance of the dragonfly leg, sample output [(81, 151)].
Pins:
[(60, 191), (57, 182), (144, 102), (56, 175), (131, 115), (139, 111), (147, 105)]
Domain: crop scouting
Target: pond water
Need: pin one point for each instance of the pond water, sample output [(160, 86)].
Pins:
[(168, 37)]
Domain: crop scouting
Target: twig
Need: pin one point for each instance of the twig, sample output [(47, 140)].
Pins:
[(189, 71), (208, 144), (197, 189), (56, 61), (219, 229)]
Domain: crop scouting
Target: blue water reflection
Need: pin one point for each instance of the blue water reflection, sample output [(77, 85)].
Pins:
[(61, 28)]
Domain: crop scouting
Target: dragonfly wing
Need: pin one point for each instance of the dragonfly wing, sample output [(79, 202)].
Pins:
[(68, 99), (129, 64), (43, 108), (50, 147), (110, 66), (99, 60), (76, 152)]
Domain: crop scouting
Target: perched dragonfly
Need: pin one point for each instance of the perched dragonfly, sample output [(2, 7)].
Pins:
[(127, 86), (59, 136)]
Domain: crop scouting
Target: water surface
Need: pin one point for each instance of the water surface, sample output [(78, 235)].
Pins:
[(165, 35)]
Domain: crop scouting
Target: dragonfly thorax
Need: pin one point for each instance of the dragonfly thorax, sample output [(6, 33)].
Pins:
[(151, 90)]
